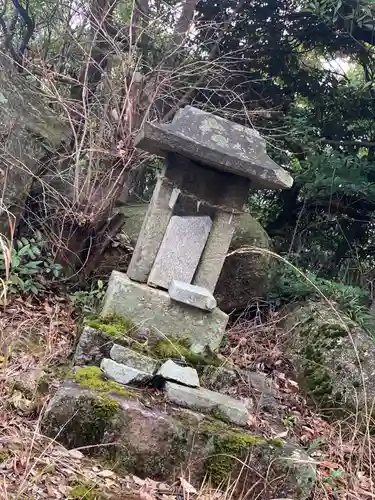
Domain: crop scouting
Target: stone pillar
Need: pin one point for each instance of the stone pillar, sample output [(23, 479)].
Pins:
[(152, 232), (216, 249), (220, 237)]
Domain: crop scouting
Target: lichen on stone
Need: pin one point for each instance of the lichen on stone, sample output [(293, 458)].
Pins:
[(92, 377)]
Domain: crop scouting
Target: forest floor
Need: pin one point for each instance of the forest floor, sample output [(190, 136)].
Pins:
[(36, 342)]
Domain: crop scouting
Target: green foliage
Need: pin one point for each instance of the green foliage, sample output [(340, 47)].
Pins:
[(289, 286), (30, 267), (84, 491), (88, 300)]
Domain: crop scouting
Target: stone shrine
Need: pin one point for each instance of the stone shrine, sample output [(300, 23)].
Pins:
[(145, 394), (210, 166)]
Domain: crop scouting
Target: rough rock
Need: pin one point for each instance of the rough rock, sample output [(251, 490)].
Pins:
[(28, 127), (208, 401), (219, 379), (264, 394), (154, 308), (333, 357), (123, 374), (244, 276), (134, 359), (93, 345), (181, 374), (160, 442), (192, 295)]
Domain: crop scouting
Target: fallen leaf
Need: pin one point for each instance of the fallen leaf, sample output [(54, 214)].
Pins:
[(187, 487), (76, 454), (106, 473), (138, 480)]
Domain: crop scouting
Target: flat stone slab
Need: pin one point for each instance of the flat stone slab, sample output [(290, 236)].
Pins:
[(217, 142), (181, 374), (192, 295), (154, 308), (208, 401), (123, 374), (128, 357), (180, 250)]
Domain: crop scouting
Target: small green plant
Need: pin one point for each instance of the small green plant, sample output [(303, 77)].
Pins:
[(28, 266), (88, 300)]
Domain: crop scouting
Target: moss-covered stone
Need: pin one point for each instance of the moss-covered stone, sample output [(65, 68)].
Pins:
[(114, 325), (227, 448), (332, 356), (92, 377), (160, 442)]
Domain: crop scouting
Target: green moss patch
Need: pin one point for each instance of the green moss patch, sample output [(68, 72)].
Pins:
[(92, 378), (84, 491), (114, 325), (229, 446), (180, 348)]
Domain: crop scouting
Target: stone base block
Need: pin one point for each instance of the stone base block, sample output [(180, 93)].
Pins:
[(154, 308), (162, 441)]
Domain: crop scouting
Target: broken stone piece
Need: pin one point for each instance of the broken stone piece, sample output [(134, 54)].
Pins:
[(133, 359), (206, 401), (181, 374), (180, 250), (123, 374), (192, 295)]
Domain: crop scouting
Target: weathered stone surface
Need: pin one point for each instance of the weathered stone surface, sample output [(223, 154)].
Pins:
[(181, 374), (219, 379), (28, 126), (152, 232), (134, 359), (123, 374), (244, 276), (264, 394), (217, 142), (208, 402), (159, 443), (192, 295), (216, 249), (180, 250), (92, 347), (154, 308), (333, 357)]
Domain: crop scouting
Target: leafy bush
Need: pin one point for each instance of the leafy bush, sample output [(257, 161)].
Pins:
[(288, 285), (28, 266)]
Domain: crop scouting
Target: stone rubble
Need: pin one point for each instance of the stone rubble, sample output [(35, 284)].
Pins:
[(184, 375), (206, 401), (134, 359), (123, 374)]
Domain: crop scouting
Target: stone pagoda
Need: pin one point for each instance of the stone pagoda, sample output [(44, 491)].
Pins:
[(210, 166)]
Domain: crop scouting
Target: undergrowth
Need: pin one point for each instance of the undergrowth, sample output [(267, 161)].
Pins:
[(289, 286)]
